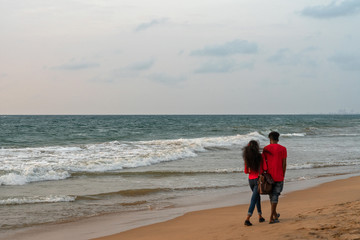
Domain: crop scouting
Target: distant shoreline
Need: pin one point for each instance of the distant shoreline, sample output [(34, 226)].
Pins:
[(191, 114)]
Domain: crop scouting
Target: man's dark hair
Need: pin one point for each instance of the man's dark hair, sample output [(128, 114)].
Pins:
[(274, 136)]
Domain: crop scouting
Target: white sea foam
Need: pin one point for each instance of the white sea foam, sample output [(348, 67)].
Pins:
[(36, 199), (300, 166), (343, 135), (293, 134), (12, 179), (323, 164), (302, 178), (21, 166), (229, 170)]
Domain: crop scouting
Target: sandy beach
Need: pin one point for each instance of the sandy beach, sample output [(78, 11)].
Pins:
[(328, 211)]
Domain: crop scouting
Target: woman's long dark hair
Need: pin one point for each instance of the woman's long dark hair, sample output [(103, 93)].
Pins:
[(252, 156)]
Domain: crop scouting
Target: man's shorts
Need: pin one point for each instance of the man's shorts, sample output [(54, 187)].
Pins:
[(276, 191)]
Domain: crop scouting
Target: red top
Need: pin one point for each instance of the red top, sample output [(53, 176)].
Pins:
[(274, 155), (253, 174)]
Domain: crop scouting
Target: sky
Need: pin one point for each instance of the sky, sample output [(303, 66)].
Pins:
[(179, 57)]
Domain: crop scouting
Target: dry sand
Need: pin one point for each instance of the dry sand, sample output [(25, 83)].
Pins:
[(328, 211)]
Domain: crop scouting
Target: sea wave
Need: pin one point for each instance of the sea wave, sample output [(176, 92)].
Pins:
[(147, 191), (322, 165), (94, 197), (157, 174), (19, 166), (343, 135), (36, 199), (293, 134)]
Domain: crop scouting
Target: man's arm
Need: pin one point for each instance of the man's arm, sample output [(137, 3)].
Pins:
[(264, 166), (284, 166)]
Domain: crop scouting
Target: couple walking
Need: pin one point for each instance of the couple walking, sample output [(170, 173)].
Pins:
[(272, 160)]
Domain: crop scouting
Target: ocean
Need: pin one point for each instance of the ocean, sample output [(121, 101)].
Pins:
[(56, 169)]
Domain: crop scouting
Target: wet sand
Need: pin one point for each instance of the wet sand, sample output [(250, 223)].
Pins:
[(328, 211)]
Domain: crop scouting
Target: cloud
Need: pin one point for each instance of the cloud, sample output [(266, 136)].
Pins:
[(347, 62), (223, 66), (285, 57), (128, 72), (310, 49), (154, 22), (230, 48), (141, 66), (333, 10), (166, 79), (76, 66)]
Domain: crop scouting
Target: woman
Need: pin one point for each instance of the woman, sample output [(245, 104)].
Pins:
[(253, 159)]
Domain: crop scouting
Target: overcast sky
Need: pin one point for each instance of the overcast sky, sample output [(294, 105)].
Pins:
[(179, 57)]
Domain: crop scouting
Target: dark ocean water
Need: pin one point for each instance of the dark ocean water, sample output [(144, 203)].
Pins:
[(60, 168)]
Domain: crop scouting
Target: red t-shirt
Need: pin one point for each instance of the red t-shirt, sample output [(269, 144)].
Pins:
[(274, 155), (253, 174)]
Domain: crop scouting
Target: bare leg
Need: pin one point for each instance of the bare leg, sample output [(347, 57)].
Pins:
[(273, 215), (247, 221), (261, 219)]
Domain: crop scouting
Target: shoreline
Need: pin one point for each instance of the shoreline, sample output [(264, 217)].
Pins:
[(110, 224), (327, 211)]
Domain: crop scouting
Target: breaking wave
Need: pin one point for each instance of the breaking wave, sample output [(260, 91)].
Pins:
[(36, 199), (19, 166)]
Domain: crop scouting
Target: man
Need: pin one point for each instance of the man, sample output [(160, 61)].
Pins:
[(275, 164)]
